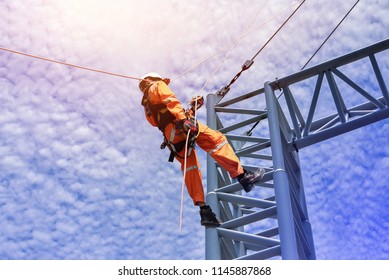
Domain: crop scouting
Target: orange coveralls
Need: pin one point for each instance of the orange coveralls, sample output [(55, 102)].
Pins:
[(211, 141)]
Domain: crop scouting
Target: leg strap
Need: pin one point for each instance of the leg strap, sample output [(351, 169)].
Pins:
[(176, 148)]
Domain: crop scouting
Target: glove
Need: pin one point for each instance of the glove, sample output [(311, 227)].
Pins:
[(196, 102), (189, 125)]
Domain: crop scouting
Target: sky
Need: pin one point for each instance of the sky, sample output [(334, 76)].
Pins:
[(82, 175)]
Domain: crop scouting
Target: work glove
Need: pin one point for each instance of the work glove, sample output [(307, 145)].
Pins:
[(196, 102), (189, 125)]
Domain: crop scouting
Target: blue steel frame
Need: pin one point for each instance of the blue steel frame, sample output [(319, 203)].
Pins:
[(272, 221)]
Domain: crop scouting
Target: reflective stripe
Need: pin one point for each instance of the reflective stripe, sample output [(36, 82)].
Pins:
[(191, 168), (218, 147), (189, 152), (172, 133), (172, 146)]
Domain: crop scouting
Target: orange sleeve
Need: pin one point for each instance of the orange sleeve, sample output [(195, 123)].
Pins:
[(150, 119), (168, 98)]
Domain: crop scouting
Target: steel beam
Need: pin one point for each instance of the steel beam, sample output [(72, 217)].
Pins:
[(274, 222), (281, 185), (212, 251)]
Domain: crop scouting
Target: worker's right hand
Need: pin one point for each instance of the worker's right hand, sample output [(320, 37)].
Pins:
[(189, 125)]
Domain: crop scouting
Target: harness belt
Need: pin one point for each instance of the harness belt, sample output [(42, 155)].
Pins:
[(176, 148), (163, 117)]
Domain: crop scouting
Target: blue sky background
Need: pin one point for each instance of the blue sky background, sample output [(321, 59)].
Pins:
[(81, 172)]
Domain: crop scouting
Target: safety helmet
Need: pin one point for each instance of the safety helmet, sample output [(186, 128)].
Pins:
[(151, 75), (143, 84)]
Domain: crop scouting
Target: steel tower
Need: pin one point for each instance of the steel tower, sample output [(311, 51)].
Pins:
[(272, 221)]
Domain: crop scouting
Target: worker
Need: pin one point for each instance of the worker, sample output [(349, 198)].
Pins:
[(163, 110)]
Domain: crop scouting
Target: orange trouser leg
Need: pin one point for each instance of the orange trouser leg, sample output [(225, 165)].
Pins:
[(217, 146), (193, 177)]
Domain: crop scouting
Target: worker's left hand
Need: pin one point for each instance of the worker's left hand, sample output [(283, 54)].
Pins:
[(196, 102)]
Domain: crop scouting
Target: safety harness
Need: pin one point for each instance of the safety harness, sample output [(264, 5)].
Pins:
[(159, 112), (176, 148), (163, 117)]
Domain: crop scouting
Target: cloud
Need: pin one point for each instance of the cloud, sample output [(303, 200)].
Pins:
[(81, 172), (342, 193)]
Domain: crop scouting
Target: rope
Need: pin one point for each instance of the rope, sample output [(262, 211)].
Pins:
[(309, 60), (269, 20), (279, 96), (243, 35), (195, 66), (69, 64), (223, 91), (235, 44), (183, 180), (195, 111), (271, 38), (244, 67)]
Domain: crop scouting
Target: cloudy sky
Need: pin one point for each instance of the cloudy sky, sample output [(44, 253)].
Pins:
[(82, 175)]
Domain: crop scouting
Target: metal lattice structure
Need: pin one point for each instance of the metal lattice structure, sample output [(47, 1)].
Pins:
[(272, 221)]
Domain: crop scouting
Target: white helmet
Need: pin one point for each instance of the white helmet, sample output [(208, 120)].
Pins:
[(151, 75), (143, 83)]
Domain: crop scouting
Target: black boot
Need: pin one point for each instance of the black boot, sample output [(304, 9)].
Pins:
[(208, 218), (249, 178)]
